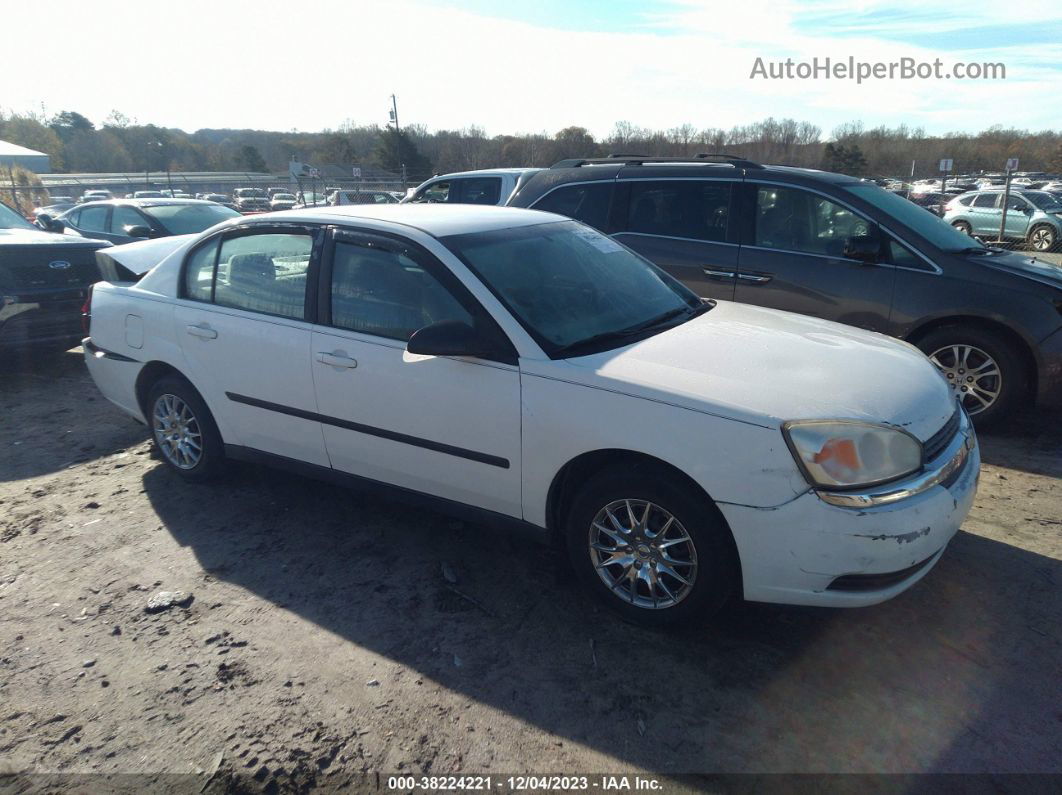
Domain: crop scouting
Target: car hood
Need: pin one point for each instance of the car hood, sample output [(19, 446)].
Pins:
[(1023, 265), (34, 237), (765, 367)]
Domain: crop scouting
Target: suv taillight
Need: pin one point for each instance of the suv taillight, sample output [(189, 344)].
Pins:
[(86, 312)]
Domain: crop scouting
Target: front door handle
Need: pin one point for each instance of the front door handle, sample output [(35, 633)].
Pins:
[(713, 273), (336, 360), (755, 278), (203, 331)]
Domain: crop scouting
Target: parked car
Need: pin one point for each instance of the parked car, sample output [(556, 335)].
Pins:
[(834, 247), (282, 201), (44, 280), (126, 220), (95, 195), (53, 210), (931, 201), (526, 369), (1034, 217), (148, 194), (250, 200), (491, 186), (338, 198), (308, 198)]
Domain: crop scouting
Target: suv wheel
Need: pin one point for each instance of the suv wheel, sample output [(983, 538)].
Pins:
[(1042, 238), (985, 372), (184, 429), (963, 227), (656, 553)]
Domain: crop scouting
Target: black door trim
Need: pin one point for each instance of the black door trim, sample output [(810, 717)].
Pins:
[(394, 436)]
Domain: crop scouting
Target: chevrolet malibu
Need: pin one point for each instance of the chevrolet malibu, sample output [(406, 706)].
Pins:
[(524, 368)]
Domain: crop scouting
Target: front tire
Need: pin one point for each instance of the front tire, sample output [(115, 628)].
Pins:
[(986, 372), (654, 551), (184, 430), (963, 227), (1042, 238)]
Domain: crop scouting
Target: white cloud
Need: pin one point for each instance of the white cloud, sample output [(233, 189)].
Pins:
[(310, 66)]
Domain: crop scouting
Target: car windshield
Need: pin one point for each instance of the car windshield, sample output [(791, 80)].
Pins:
[(1043, 201), (573, 289), (9, 219), (186, 219), (933, 228)]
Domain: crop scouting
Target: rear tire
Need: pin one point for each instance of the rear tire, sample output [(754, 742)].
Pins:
[(674, 559), (979, 366), (184, 430)]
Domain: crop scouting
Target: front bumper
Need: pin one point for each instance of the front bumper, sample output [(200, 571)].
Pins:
[(809, 552)]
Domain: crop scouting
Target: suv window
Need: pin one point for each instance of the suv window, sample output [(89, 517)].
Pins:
[(697, 209), (385, 293), (93, 219), (985, 200), (264, 273), (480, 190), (587, 203), (789, 219)]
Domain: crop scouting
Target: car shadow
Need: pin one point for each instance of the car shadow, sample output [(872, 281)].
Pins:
[(1029, 440), (953, 675), (75, 426)]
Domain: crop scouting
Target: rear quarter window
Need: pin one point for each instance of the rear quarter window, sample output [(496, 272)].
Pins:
[(588, 203)]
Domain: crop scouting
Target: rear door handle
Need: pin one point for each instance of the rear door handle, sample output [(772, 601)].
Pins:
[(203, 331), (336, 360), (755, 278), (713, 273)]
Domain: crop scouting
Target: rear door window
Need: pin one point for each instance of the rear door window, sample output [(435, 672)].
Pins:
[(588, 203), (93, 219), (265, 273), (985, 200), (693, 209), (479, 190)]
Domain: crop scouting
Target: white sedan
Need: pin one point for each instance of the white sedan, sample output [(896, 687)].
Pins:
[(527, 369)]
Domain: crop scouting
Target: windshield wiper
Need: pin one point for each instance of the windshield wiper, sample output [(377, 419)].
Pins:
[(686, 312)]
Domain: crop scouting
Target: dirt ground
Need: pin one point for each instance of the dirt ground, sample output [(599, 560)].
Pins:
[(326, 641)]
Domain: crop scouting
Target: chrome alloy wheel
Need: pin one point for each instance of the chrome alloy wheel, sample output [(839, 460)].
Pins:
[(971, 373), (643, 554), (1043, 239), (177, 432)]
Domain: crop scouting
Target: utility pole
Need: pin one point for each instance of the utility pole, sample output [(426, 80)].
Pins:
[(398, 138)]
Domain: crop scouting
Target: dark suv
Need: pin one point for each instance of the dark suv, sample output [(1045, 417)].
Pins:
[(835, 247), (44, 280)]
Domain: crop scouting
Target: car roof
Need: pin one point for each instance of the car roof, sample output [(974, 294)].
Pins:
[(144, 202), (483, 172), (438, 220)]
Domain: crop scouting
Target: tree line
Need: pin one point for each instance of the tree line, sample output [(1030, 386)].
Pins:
[(120, 144)]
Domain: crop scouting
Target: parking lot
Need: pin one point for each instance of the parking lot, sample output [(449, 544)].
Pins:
[(333, 636)]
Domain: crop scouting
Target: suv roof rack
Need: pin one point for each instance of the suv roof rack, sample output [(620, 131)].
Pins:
[(638, 160)]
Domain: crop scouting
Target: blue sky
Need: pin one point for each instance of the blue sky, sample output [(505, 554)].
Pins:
[(533, 66)]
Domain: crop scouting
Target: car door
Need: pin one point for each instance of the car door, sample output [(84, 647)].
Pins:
[(241, 322), (444, 426), (985, 214), (793, 258), (685, 226), (1019, 211)]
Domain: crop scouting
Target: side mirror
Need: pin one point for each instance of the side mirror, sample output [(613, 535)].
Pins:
[(139, 231), (449, 338), (865, 248)]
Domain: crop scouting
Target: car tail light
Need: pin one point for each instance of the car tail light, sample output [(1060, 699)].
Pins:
[(86, 312)]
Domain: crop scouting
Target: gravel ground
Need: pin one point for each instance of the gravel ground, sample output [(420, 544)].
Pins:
[(326, 636)]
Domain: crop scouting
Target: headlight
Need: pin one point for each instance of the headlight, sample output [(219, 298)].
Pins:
[(839, 454)]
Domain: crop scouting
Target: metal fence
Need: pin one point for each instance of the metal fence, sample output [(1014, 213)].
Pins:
[(26, 198)]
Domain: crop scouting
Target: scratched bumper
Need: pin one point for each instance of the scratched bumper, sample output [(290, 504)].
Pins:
[(794, 553)]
